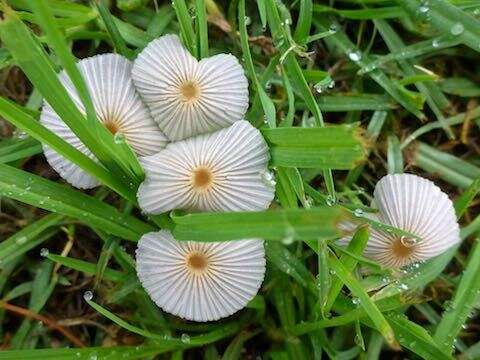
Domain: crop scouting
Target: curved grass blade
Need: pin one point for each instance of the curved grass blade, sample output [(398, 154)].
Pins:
[(337, 147), (45, 194), (463, 303), (22, 120), (29, 237), (365, 301), (296, 224), (86, 267)]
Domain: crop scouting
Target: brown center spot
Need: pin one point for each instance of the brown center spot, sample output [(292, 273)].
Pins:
[(401, 248), (197, 261), (202, 178), (189, 91), (111, 126)]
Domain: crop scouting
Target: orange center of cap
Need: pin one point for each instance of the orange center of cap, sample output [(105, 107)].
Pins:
[(401, 249), (202, 178), (197, 261), (111, 126), (189, 91)]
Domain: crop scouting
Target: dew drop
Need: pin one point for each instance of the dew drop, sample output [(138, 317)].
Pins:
[(268, 178), (457, 29), (88, 295), (289, 236), (333, 28), (408, 241), (330, 200), (354, 55), (119, 138), (21, 240), (44, 252), (248, 21), (310, 122), (331, 85), (185, 338), (355, 301), (403, 286), (435, 43), (358, 212), (423, 9)]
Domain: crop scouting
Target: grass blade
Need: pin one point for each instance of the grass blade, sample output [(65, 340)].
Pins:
[(463, 303), (269, 225), (366, 303), (45, 194)]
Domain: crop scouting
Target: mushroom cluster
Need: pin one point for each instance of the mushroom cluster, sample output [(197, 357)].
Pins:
[(184, 119)]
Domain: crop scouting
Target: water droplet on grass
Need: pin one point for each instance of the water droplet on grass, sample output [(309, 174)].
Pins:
[(358, 212), (88, 295), (185, 338), (44, 252), (354, 55), (457, 29)]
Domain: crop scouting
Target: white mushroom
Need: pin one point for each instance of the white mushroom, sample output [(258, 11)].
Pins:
[(200, 281), (118, 107), (222, 171), (416, 205), (188, 97)]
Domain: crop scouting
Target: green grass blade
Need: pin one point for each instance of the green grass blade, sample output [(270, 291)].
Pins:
[(86, 267), (296, 74), (281, 257), (185, 22), (17, 149), (112, 30), (45, 194), (356, 246), (463, 202), (463, 303), (449, 19), (341, 40), (29, 237), (202, 29), (21, 119), (269, 225), (365, 301), (449, 167), (415, 338), (337, 147), (266, 102), (394, 155), (302, 30)]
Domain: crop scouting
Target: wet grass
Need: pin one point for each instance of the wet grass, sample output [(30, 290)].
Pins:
[(370, 87)]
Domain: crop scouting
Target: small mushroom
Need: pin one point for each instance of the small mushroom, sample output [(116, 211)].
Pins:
[(415, 205), (118, 107), (188, 97), (196, 280), (222, 171)]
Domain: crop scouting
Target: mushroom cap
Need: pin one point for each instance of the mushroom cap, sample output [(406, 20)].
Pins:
[(221, 171), (416, 205), (196, 280), (118, 107), (188, 97)]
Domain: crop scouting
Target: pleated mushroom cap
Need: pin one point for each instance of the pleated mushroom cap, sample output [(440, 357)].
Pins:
[(415, 205), (118, 107), (200, 281), (222, 171), (188, 97)]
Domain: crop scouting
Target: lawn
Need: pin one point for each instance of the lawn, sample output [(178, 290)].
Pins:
[(271, 179)]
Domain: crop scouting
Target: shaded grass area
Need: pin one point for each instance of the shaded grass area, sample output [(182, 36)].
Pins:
[(402, 77)]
